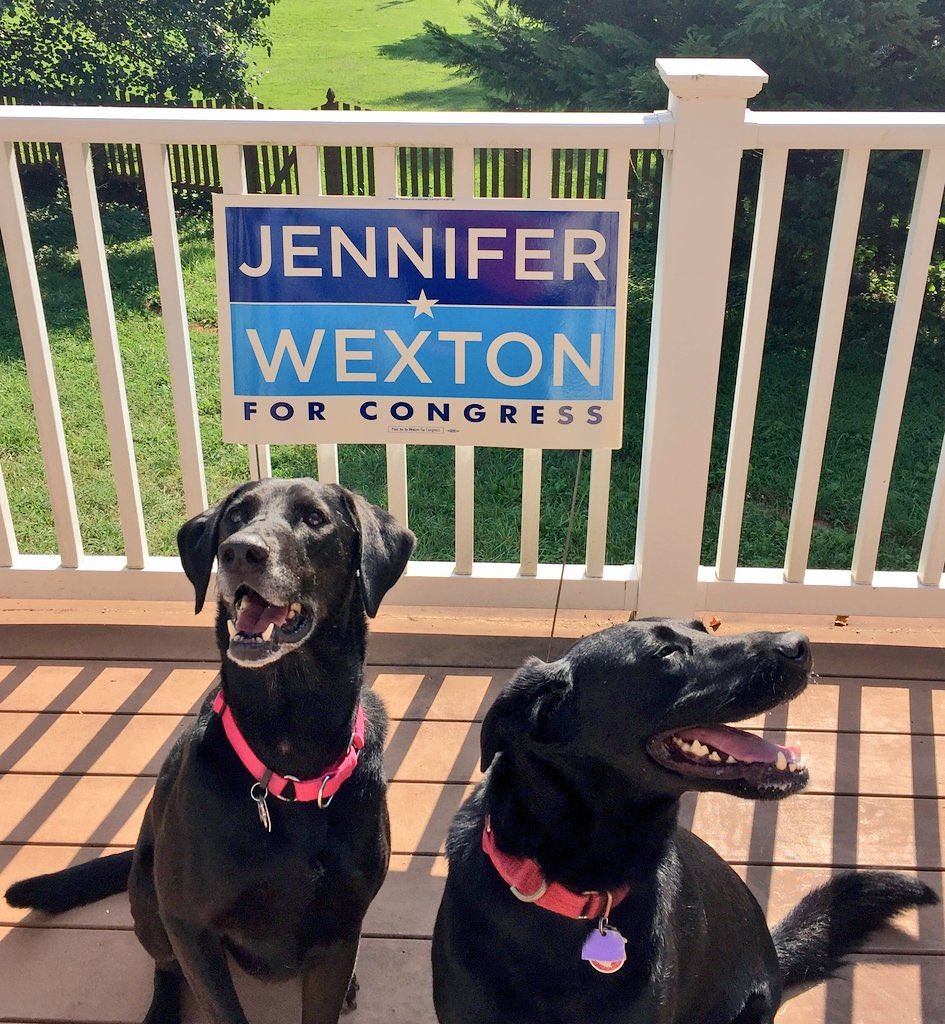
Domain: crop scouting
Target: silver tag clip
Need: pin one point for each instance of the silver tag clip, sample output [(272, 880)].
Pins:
[(258, 793)]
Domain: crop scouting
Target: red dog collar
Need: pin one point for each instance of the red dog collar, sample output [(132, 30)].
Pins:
[(322, 788), (524, 877)]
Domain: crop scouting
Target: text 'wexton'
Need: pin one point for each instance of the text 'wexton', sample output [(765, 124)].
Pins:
[(353, 364)]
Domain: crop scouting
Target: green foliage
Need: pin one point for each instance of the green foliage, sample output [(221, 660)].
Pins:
[(508, 53), (599, 54), (89, 51), (819, 54)]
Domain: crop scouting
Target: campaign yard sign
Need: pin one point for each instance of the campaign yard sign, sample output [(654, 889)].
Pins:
[(437, 322)]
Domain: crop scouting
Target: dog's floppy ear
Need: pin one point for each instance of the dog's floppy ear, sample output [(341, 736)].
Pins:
[(386, 546), (523, 710), (197, 542)]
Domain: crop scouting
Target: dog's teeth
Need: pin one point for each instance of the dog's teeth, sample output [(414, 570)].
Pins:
[(678, 741), (714, 756), (686, 746), (792, 767), (699, 749), (782, 761), (231, 628), (730, 760), (267, 632)]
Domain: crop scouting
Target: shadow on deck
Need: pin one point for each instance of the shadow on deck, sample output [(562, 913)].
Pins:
[(87, 713)]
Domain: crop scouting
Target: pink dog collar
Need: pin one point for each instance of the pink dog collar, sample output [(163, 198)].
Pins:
[(604, 948), (322, 788), (524, 877)]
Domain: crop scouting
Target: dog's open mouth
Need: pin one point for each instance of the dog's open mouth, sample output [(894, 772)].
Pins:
[(732, 758), (261, 632)]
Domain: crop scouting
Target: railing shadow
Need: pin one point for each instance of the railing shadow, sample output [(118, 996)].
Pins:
[(138, 787), (405, 729)]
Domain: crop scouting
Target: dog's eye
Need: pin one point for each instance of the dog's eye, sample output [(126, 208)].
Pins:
[(235, 516), (313, 518), (667, 651)]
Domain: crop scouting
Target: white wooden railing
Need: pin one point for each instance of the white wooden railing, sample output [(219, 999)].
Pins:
[(703, 136)]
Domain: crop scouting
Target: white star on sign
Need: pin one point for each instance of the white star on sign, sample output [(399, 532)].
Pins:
[(423, 305)]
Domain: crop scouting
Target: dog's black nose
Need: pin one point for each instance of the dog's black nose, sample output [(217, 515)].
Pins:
[(794, 647), (251, 552)]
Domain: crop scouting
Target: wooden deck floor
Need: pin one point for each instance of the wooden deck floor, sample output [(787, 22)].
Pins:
[(87, 714)]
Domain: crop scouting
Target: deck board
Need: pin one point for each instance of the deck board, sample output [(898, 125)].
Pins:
[(83, 731)]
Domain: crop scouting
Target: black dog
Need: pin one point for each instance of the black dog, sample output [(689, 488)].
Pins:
[(636, 920), (222, 865)]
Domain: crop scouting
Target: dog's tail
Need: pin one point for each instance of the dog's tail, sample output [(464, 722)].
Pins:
[(73, 887), (835, 919)]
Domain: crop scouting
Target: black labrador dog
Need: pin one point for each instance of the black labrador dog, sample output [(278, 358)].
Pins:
[(573, 896), (267, 835)]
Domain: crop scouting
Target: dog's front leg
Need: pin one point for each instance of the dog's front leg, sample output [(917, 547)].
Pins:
[(204, 965), (166, 1002), (325, 984), (757, 1009)]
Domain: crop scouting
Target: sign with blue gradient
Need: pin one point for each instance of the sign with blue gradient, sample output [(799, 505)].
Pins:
[(477, 323)]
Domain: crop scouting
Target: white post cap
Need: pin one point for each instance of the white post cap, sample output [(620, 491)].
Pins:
[(703, 77)]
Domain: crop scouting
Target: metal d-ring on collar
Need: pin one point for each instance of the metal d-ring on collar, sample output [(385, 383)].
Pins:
[(531, 897), (320, 799), (287, 799)]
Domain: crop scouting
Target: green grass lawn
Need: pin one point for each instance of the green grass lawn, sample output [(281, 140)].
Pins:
[(370, 52)]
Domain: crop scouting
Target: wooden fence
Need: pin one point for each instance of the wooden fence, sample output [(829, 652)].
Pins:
[(349, 170)]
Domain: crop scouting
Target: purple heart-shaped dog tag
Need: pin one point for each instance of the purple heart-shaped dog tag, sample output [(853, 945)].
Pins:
[(605, 950)]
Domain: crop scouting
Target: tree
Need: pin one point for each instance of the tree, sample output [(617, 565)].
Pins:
[(89, 51), (599, 54)]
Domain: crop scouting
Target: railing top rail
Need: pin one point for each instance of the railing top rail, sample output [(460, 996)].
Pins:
[(810, 129), (790, 129), (330, 127)]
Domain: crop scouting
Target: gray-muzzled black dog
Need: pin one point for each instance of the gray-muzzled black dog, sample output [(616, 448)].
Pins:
[(267, 835)]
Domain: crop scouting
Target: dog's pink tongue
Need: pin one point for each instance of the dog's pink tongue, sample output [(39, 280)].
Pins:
[(743, 746), (256, 614)]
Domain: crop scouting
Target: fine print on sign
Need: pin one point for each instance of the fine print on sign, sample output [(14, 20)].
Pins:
[(474, 323)]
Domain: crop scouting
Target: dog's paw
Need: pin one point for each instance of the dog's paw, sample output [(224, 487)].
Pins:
[(351, 996)]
